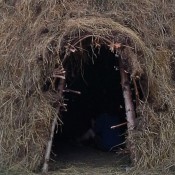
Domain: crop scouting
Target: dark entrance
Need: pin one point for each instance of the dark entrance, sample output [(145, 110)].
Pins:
[(93, 72)]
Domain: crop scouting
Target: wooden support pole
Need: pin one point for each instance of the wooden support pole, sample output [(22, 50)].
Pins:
[(129, 107), (127, 94), (49, 144)]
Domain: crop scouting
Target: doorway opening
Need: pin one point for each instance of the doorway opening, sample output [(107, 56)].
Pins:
[(93, 88)]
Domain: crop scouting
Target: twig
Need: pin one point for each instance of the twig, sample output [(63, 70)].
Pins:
[(72, 91), (136, 92), (116, 126)]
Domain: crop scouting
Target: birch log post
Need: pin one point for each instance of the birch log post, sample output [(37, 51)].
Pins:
[(49, 144), (129, 106), (127, 94)]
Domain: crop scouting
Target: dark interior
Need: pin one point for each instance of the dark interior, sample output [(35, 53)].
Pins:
[(97, 77)]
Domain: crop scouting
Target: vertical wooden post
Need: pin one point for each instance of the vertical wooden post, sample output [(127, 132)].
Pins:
[(129, 106), (127, 94), (49, 144)]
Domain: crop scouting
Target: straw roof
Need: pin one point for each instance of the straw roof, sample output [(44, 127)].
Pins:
[(33, 35)]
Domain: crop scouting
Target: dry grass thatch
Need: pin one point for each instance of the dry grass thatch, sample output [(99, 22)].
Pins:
[(32, 38)]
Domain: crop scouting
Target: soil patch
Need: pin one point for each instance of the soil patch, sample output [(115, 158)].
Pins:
[(78, 159)]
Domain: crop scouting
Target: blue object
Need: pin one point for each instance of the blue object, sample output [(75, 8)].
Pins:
[(108, 138)]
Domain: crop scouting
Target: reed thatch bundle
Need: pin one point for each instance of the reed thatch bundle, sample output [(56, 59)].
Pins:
[(33, 36)]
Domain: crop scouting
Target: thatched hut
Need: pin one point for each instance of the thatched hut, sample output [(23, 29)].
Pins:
[(37, 38)]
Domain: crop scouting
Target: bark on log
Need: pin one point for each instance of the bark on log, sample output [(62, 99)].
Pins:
[(49, 144), (127, 94), (129, 108)]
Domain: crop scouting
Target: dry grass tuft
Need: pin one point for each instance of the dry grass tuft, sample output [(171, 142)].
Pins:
[(33, 35)]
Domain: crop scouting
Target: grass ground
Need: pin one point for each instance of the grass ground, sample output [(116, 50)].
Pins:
[(81, 160), (88, 160)]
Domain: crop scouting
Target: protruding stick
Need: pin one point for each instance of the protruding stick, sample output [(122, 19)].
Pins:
[(72, 91), (117, 126)]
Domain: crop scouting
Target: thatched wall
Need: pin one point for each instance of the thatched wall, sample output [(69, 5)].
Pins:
[(32, 34)]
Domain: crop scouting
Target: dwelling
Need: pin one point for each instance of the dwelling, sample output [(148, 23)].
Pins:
[(46, 45)]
